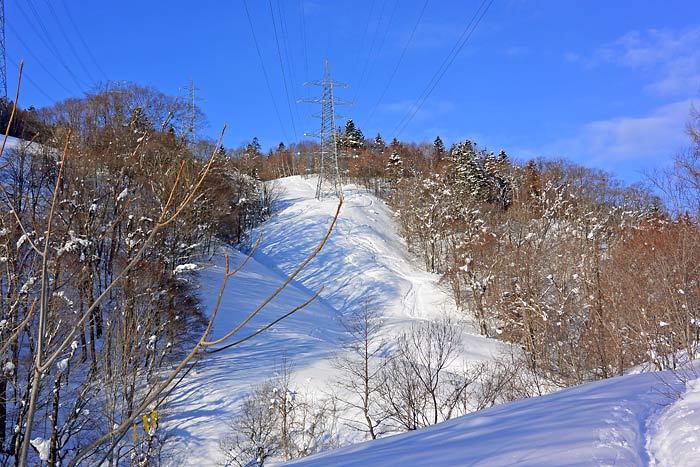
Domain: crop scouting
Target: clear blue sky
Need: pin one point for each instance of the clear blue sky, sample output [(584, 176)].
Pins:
[(605, 83)]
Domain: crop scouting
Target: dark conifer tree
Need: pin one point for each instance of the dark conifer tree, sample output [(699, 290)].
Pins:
[(378, 144), (439, 148)]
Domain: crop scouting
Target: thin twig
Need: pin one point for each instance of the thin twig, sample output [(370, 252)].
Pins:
[(267, 326), (19, 328), (19, 153), (284, 284), (14, 107)]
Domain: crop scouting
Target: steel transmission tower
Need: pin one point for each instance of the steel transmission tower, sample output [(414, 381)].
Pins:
[(192, 99), (3, 53), (328, 158)]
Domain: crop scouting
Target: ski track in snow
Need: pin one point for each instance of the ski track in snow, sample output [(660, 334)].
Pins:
[(364, 263)]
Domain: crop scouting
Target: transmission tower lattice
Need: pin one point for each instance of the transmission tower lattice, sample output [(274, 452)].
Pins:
[(328, 157), (3, 52), (192, 99)]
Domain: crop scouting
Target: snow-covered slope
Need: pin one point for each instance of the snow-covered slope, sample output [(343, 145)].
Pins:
[(633, 420), (364, 263)]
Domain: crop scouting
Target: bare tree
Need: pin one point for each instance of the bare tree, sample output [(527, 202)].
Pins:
[(361, 365), (253, 439), (419, 387), (279, 421)]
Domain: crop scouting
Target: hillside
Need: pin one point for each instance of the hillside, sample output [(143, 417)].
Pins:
[(633, 420), (364, 264)]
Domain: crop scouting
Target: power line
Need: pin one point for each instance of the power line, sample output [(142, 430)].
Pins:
[(82, 39), (364, 35), (3, 52), (52, 45), (461, 42), (69, 42), (26, 76), (382, 42), (284, 75), (262, 64), (47, 40), (398, 63), (285, 46), (371, 49), (303, 39), (38, 61)]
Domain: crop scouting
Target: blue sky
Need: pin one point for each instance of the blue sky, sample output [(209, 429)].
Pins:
[(606, 84)]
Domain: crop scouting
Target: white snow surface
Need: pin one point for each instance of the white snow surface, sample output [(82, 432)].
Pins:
[(674, 436), (42, 447), (596, 424), (364, 263), (15, 144)]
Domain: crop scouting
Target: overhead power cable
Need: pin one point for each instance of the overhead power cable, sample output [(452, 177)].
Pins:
[(71, 47), (46, 39), (303, 40), (26, 76), (82, 40), (398, 63), (285, 46), (459, 45), (262, 65), (364, 37), (369, 54), (38, 61), (284, 74), (387, 28)]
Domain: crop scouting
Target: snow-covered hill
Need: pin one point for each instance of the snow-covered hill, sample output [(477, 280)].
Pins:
[(364, 263), (634, 420), (639, 419)]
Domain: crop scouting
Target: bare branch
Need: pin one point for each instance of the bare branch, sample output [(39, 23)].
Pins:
[(19, 328), (14, 107), (284, 284)]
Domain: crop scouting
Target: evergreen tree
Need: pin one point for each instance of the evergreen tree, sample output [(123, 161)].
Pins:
[(352, 138), (394, 167), (378, 144), (439, 148), (470, 175), (139, 121), (252, 159), (253, 149), (533, 181), (221, 153), (499, 172)]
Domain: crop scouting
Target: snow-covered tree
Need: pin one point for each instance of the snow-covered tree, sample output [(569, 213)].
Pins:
[(378, 145), (394, 166), (352, 137)]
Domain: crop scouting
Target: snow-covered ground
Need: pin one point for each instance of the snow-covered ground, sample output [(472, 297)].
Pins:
[(638, 419), (364, 263), (673, 436), (607, 423)]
